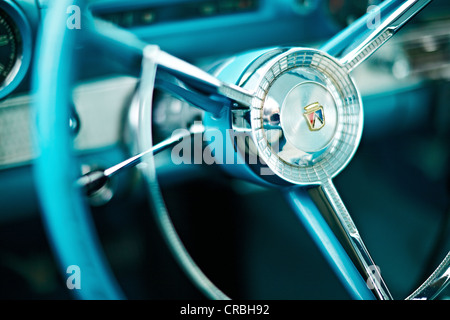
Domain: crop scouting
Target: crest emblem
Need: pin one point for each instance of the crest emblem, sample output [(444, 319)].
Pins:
[(314, 116)]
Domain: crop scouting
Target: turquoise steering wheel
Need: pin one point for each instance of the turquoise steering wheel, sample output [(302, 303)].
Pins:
[(65, 212)]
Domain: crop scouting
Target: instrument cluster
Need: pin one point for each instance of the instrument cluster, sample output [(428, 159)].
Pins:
[(15, 47)]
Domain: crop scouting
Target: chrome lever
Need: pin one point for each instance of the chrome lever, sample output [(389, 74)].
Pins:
[(95, 180)]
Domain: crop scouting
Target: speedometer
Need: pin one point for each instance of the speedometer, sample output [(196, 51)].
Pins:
[(10, 49), (15, 47)]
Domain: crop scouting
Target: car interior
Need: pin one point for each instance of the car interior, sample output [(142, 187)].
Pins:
[(245, 236)]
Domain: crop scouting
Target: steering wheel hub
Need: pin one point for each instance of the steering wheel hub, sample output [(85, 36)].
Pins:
[(307, 122), (308, 118)]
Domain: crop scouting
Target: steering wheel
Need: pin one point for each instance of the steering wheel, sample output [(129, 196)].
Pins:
[(291, 118)]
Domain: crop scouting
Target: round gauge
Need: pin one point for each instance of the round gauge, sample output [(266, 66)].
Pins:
[(10, 49), (15, 47)]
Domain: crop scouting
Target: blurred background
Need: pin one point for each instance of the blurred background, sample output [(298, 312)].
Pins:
[(244, 236)]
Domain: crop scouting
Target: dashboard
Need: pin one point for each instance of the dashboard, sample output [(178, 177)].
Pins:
[(397, 185)]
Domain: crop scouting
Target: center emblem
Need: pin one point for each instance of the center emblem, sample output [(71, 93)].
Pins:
[(314, 116)]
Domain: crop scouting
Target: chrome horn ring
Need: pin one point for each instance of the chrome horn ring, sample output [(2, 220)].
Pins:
[(306, 117)]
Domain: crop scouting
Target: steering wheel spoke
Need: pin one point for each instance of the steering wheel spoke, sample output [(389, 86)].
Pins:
[(195, 84), (362, 38), (332, 208), (174, 75)]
